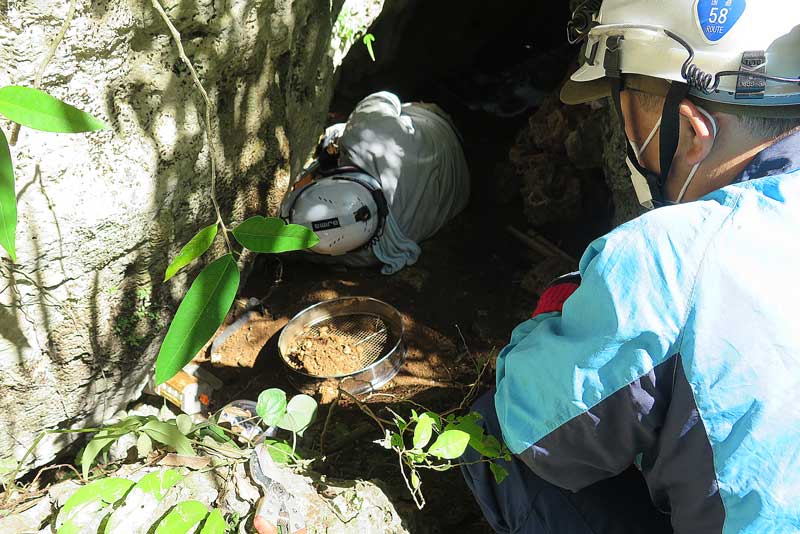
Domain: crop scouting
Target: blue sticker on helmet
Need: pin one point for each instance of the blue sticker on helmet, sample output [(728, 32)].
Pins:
[(717, 17)]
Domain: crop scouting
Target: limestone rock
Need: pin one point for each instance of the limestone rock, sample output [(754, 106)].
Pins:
[(561, 153), (100, 215)]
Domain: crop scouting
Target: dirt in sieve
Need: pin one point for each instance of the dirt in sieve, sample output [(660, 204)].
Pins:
[(325, 353)]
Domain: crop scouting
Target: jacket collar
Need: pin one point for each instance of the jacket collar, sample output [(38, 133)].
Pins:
[(779, 158)]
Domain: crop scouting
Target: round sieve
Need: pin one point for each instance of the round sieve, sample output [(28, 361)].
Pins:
[(371, 329)]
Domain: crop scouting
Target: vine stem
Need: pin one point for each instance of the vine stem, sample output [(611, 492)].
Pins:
[(37, 81), (328, 418), (176, 36), (13, 477), (364, 408)]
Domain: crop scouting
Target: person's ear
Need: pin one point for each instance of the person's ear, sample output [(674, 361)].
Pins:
[(699, 136)]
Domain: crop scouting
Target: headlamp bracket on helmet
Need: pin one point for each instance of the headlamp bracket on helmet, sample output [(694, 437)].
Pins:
[(747, 85)]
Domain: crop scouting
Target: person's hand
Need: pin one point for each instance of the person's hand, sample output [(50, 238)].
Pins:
[(265, 527)]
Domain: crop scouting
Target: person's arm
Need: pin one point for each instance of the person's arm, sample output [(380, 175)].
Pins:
[(582, 391), (381, 104)]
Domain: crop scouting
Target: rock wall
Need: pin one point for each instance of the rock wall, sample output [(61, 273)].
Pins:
[(561, 159), (100, 215)]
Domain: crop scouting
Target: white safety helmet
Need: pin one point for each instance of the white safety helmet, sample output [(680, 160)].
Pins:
[(732, 56), (345, 208)]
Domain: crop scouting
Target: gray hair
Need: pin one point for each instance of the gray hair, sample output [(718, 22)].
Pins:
[(766, 128)]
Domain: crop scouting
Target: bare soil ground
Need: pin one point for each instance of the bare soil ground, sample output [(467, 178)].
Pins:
[(472, 285), (459, 304)]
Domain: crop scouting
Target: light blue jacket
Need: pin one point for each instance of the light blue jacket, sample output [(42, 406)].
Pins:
[(680, 352)]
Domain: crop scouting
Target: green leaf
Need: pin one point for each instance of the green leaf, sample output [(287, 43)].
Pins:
[(272, 235), (100, 441), (144, 445), (196, 247), (300, 414), (8, 201), (437, 419), (414, 479), (423, 431), (129, 424), (184, 424), (169, 435), (199, 315), (183, 518), (368, 39), (396, 440), (40, 111), (158, 482), (271, 406), (90, 499), (215, 431), (498, 471), (280, 451), (450, 444), (486, 444), (141, 502), (8, 467), (215, 523)]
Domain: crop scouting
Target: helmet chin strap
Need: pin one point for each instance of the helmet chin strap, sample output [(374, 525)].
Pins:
[(639, 150), (670, 122)]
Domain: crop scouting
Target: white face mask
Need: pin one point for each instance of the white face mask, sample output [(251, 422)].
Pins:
[(640, 181)]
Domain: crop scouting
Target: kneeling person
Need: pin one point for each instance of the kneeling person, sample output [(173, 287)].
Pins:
[(388, 179)]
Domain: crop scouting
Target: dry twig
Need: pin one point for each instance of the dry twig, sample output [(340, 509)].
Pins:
[(367, 410), (540, 245), (328, 418)]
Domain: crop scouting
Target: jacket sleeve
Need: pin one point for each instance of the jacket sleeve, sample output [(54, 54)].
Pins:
[(579, 393)]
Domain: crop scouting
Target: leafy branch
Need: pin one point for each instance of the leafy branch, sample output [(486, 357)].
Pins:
[(453, 434), (202, 447), (211, 295)]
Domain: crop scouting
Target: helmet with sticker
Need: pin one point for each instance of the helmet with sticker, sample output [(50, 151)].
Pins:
[(741, 53), (344, 209)]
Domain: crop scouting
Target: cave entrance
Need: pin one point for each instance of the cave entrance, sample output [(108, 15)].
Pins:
[(537, 173)]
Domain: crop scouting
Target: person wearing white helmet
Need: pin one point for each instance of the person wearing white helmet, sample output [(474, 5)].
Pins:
[(656, 389), (389, 178)]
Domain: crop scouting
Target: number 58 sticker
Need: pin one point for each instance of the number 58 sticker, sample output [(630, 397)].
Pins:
[(717, 17)]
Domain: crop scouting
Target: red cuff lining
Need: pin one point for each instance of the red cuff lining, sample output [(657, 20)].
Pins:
[(554, 297)]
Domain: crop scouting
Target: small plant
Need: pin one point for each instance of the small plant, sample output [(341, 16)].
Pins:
[(107, 506), (134, 311), (368, 40), (296, 416), (453, 434), (103, 504), (179, 434), (211, 295), (40, 111)]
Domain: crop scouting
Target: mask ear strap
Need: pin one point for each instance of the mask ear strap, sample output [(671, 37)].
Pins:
[(697, 165), (650, 137)]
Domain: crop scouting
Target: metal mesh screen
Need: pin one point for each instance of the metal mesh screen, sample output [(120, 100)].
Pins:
[(369, 332)]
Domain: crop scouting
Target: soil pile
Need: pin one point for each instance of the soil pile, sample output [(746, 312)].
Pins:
[(326, 353)]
